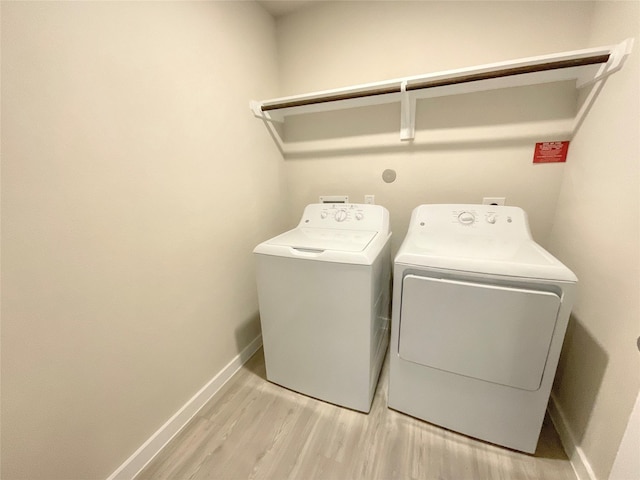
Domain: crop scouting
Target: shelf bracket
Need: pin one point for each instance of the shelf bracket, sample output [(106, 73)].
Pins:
[(407, 113), (617, 58), (269, 116)]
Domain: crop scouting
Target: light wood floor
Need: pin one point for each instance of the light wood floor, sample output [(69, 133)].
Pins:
[(255, 429)]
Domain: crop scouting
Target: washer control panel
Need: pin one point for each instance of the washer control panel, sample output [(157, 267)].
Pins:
[(343, 213), (349, 216)]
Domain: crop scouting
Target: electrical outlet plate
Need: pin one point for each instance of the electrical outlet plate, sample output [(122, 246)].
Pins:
[(493, 200), (369, 199)]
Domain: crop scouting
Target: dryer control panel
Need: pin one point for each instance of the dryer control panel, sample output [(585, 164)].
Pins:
[(471, 219), (346, 216)]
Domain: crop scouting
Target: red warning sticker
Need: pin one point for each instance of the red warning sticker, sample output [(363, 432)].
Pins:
[(551, 152)]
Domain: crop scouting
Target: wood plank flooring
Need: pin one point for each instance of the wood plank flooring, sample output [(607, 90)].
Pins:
[(253, 429)]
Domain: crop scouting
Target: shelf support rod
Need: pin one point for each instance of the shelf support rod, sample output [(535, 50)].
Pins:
[(407, 113)]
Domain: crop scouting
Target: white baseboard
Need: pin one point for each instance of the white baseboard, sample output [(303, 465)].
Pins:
[(149, 449), (577, 457)]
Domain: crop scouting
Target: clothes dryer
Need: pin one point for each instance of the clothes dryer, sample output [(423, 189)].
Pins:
[(324, 296), (479, 316)]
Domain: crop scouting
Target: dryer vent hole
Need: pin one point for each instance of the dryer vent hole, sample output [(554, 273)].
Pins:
[(389, 175)]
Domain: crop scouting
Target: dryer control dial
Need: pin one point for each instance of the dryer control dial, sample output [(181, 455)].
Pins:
[(466, 218), (341, 215)]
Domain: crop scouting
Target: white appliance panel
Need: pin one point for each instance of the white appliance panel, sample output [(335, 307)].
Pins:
[(316, 315), (478, 238), (488, 332)]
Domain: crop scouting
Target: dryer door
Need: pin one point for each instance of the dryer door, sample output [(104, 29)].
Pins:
[(493, 333)]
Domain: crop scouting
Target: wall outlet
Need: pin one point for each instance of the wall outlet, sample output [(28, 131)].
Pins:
[(493, 200), (369, 199)]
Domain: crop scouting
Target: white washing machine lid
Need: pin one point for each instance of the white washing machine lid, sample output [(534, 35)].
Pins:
[(324, 239), (357, 247), (516, 257)]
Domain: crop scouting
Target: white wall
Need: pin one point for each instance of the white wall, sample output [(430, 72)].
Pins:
[(466, 147), (135, 183), (596, 232)]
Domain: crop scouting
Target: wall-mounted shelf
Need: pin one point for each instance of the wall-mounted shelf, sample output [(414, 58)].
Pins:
[(588, 68)]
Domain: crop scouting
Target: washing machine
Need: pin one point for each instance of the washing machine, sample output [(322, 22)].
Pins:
[(479, 316), (324, 297)]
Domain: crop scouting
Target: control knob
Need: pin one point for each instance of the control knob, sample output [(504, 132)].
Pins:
[(341, 215), (466, 218), (359, 216), (491, 218)]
